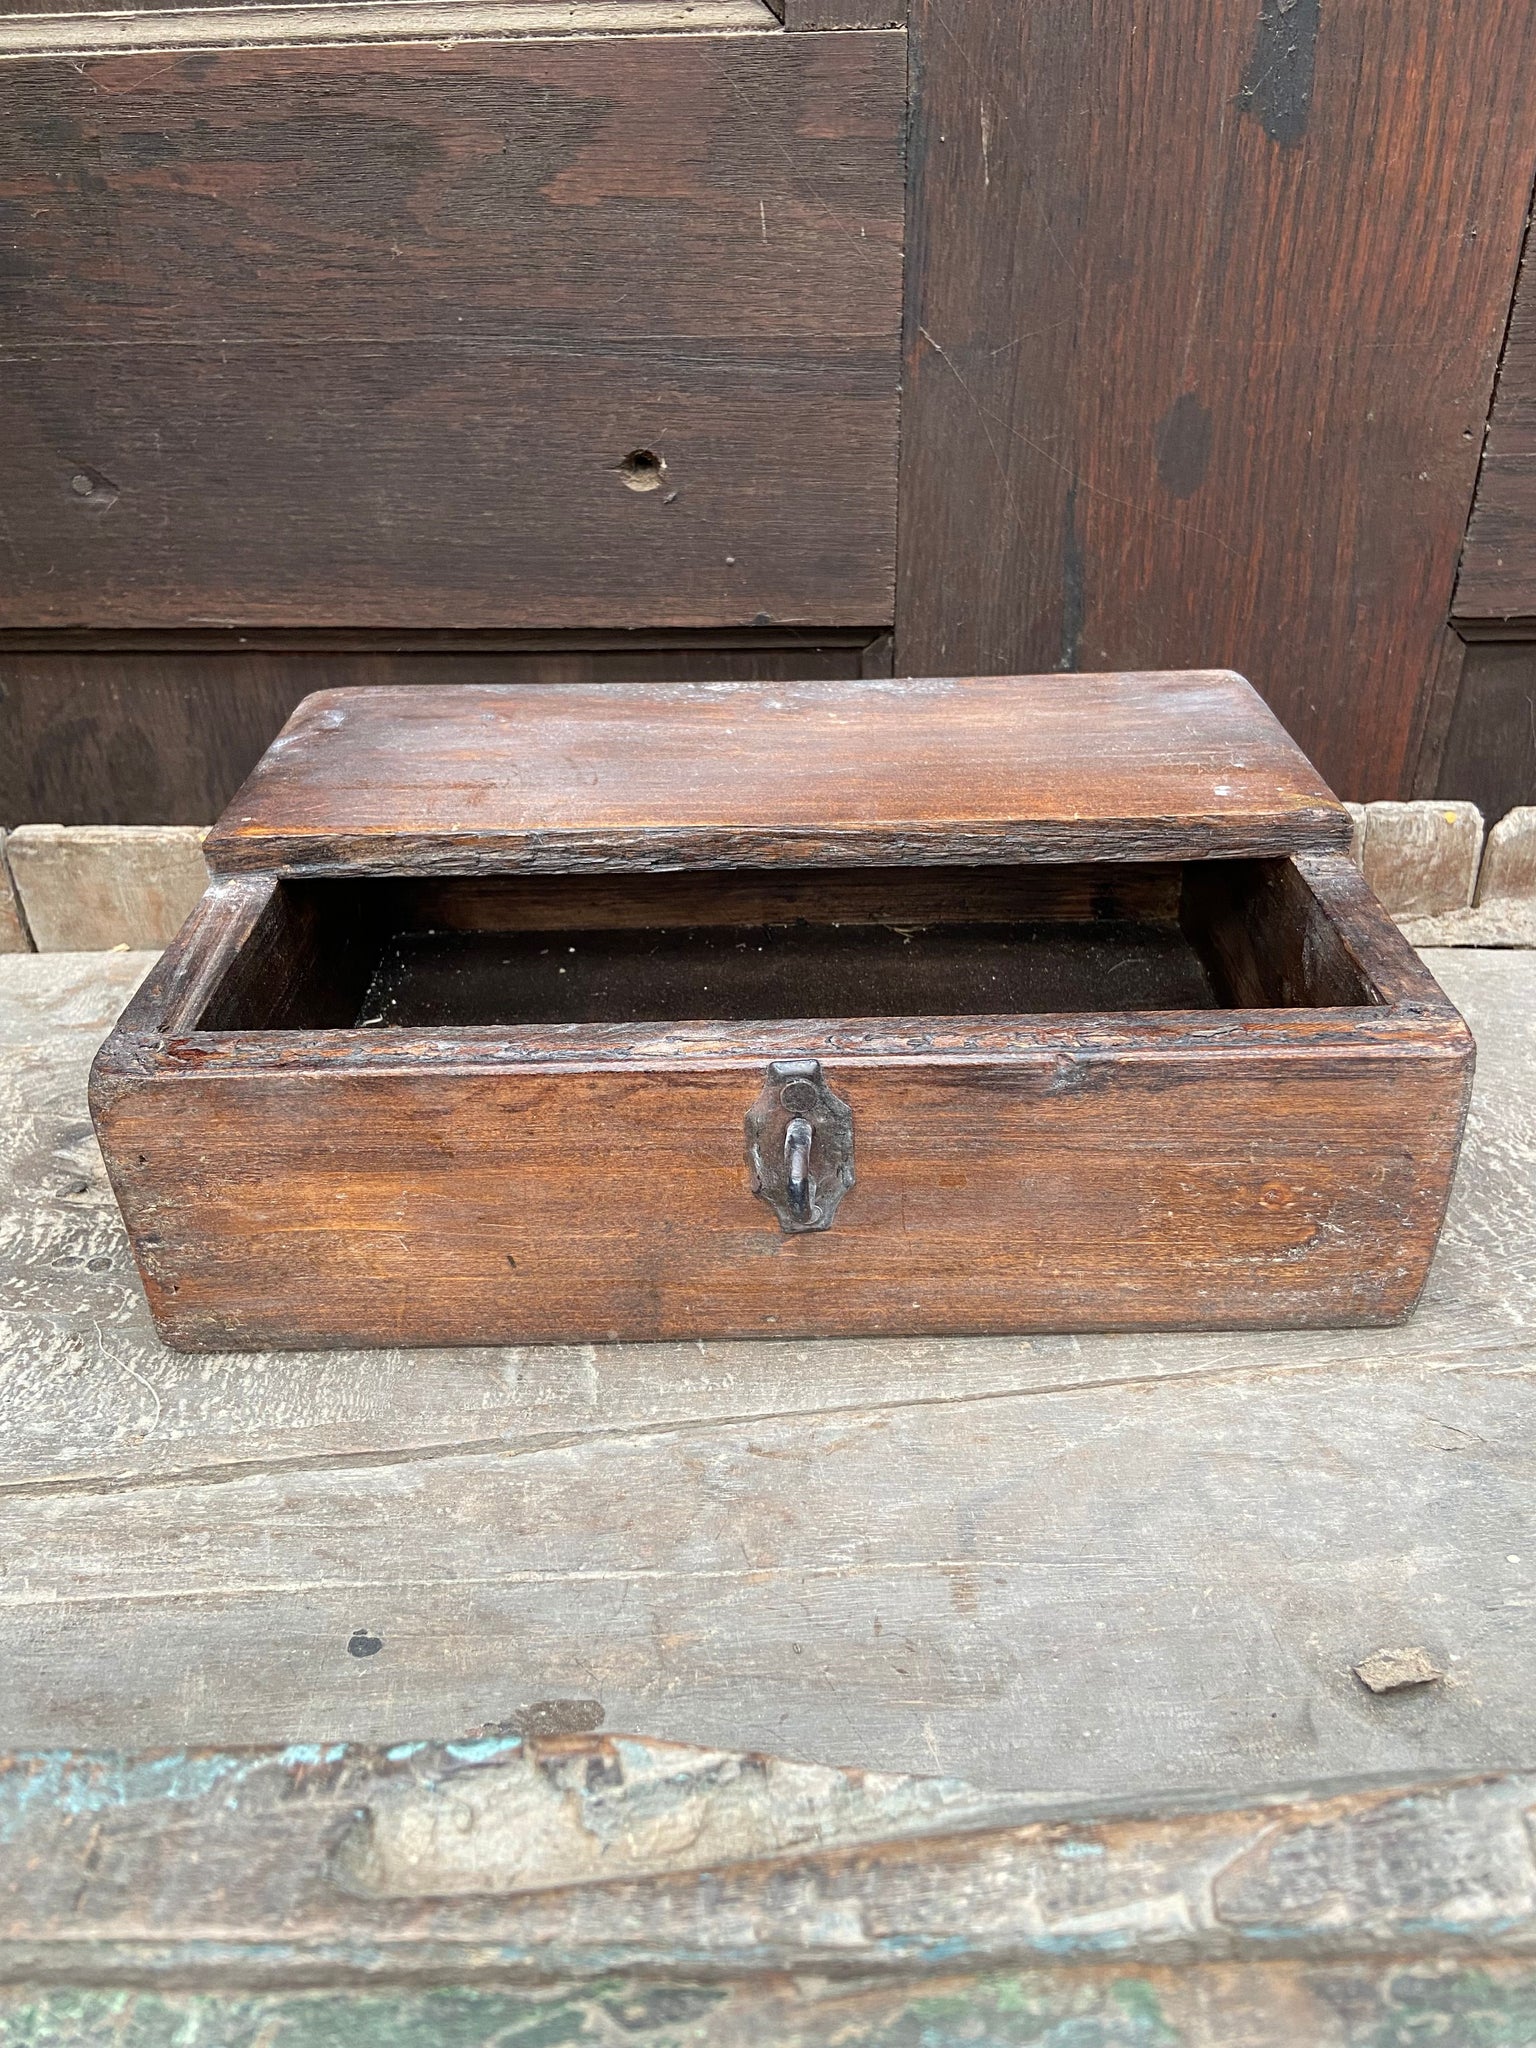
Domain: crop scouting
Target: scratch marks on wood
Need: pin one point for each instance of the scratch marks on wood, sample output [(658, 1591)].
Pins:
[(1074, 602), (1277, 85)]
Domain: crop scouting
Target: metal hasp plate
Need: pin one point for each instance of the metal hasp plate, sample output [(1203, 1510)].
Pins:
[(800, 1146)]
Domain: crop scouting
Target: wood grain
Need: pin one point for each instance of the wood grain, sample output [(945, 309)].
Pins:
[(159, 735), (748, 775), (1489, 756), (367, 338), (81, 29), (235, 1513), (487, 1184), (513, 1858), (1205, 310), (813, 14), (1347, 2004), (1498, 563)]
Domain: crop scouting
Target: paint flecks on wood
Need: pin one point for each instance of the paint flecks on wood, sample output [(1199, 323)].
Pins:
[(1422, 858)]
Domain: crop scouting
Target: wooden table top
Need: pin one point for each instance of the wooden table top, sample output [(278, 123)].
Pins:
[(1071, 1573)]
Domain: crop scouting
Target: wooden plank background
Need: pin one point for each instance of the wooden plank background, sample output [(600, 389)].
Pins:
[(363, 337), (1498, 565), (1205, 303)]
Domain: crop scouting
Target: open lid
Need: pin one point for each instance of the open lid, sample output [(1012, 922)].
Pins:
[(477, 779)]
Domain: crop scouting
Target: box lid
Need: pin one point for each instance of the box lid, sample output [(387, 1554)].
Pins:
[(470, 778)]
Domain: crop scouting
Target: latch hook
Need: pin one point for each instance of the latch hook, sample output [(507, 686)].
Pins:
[(800, 1146)]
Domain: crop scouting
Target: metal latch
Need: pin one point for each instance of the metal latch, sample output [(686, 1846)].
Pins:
[(800, 1146)]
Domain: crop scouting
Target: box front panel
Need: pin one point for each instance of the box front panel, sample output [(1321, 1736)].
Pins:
[(1130, 1189)]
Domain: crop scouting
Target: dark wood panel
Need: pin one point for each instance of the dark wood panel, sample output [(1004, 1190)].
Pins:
[(599, 331), (809, 14), (598, 188), (474, 484), (813, 775), (167, 737), (1490, 749), (1205, 302), (1498, 564)]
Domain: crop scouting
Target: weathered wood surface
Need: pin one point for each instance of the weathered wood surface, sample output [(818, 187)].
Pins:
[(82, 28), (961, 770), (14, 936), (166, 735), (91, 887), (1083, 1567), (506, 1858), (367, 336), (1498, 563), (1152, 1168), (1491, 2004), (1206, 303)]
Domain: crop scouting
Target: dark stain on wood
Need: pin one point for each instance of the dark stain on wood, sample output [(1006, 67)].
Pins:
[(1183, 446), (1073, 595), (948, 771), (1093, 229), (1277, 85)]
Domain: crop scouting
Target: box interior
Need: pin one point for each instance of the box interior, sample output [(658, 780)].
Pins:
[(462, 951)]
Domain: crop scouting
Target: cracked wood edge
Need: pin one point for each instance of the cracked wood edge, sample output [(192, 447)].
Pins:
[(344, 21), (491, 1857)]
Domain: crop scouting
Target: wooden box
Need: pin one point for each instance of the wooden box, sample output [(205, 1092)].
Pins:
[(1010, 1004)]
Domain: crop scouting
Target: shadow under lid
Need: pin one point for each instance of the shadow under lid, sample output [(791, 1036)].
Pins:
[(463, 952)]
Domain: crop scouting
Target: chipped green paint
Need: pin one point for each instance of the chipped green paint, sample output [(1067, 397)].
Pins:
[(1460, 2008), (81, 1785), (427, 2019), (1390, 2006), (1033, 2010), (1141, 2003)]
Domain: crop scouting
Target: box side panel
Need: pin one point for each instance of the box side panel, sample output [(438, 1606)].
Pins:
[(1202, 1188)]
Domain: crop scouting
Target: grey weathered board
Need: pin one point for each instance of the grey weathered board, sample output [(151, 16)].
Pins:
[(1071, 1567), (507, 1860)]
